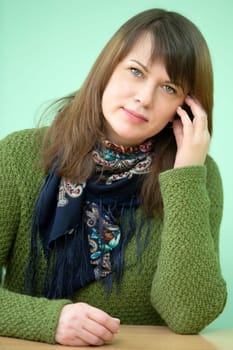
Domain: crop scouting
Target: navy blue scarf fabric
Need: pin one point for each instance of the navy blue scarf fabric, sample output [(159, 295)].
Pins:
[(83, 229)]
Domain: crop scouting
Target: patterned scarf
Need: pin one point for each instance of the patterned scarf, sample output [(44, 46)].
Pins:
[(83, 229)]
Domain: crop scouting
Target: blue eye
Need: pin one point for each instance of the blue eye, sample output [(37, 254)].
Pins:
[(169, 89), (136, 72)]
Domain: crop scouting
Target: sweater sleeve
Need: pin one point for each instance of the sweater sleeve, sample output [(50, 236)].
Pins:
[(21, 316), (188, 289)]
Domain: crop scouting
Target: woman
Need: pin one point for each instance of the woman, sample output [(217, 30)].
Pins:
[(131, 199)]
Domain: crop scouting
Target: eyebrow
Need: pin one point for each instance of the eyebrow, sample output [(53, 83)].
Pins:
[(140, 64), (147, 70)]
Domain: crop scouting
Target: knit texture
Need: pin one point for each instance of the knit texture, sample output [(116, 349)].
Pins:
[(177, 281)]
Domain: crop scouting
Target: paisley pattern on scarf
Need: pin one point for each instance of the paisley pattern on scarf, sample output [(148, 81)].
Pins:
[(101, 246), (123, 162), (84, 228), (67, 188)]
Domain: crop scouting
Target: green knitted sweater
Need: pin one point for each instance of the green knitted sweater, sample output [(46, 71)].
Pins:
[(177, 282)]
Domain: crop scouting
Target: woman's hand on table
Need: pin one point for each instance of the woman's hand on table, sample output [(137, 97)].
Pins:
[(81, 324)]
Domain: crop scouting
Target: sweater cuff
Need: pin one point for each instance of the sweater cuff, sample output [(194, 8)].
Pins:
[(29, 317)]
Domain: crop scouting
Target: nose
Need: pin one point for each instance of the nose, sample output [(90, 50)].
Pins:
[(144, 95)]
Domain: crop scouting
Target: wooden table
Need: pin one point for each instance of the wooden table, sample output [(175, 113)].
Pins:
[(141, 337)]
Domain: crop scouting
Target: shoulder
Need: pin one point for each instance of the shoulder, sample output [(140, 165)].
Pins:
[(23, 143), (21, 150), (190, 177), (23, 139)]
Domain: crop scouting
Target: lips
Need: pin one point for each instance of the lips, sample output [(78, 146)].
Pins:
[(135, 115)]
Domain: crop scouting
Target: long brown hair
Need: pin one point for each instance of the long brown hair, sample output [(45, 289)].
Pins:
[(80, 124)]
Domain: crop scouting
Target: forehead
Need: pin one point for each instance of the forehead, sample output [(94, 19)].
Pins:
[(143, 48), (142, 52)]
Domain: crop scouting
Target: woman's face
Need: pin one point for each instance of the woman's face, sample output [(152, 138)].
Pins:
[(139, 99)]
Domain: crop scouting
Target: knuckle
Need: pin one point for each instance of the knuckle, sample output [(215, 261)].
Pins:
[(104, 318)]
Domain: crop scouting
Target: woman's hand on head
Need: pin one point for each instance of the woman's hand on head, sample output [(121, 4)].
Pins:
[(192, 136), (81, 324)]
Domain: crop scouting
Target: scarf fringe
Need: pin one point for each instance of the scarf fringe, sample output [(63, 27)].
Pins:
[(73, 248), (68, 262)]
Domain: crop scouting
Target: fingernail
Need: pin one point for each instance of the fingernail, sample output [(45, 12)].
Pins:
[(117, 319)]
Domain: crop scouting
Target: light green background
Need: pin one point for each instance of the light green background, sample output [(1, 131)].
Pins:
[(48, 46)]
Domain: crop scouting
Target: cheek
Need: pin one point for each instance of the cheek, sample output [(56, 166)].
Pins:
[(113, 95), (165, 113), (109, 92), (105, 99), (169, 106), (118, 86)]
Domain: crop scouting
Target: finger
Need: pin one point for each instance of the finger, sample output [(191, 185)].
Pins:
[(198, 111), (184, 117), (193, 103), (98, 330), (89, 338), (104, 319)]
